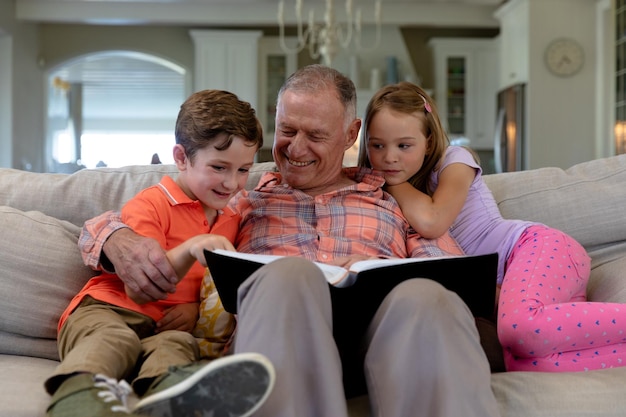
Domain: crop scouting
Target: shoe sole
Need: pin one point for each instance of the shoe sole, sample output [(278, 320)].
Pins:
[(232, 386)]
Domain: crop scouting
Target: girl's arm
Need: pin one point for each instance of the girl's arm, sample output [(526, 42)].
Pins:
[(432, 216), (184, 255)]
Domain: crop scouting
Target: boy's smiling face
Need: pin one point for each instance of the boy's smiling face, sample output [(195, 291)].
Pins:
[(215, 176)]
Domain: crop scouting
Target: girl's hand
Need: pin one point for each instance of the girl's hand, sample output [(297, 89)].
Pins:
[(347, 261), (179, 317)]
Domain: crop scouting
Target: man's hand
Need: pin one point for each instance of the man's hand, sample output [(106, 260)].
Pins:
[(141, 264), (179, 317)]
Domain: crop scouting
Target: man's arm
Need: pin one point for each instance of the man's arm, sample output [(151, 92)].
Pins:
[(140, 262), (92, 237)]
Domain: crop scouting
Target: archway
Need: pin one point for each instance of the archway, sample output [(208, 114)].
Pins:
[(112, 108)]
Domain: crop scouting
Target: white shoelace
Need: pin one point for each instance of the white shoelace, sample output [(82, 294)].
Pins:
[(113, 391)]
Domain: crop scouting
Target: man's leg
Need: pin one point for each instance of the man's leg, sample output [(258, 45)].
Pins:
[(285, 314), (425, 357)]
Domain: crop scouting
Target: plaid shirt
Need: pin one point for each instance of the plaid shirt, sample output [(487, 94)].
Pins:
[(360, 219)]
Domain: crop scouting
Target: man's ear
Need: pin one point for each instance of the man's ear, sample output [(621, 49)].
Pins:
[(353, 133), (180, 157)]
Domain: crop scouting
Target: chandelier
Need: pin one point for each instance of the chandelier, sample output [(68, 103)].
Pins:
[(326, 39)]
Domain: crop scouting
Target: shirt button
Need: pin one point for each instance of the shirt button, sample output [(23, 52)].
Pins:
[(324, 256), (206, 222)]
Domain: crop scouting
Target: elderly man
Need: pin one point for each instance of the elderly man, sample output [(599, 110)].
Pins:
[(419, 353)]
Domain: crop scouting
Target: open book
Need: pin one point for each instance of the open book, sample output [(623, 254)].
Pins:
[(473, 278)]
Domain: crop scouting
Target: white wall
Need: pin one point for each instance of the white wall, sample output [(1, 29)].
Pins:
[(28, 99), (561, 111), (6, 127), (22, 92), (605, 79)]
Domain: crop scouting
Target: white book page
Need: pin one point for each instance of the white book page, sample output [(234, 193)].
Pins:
[(368, 264)]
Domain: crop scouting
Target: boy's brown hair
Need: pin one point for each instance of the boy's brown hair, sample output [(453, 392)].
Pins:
[(207, 114)]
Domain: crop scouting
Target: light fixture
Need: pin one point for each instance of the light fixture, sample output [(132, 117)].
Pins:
[(326, 39)]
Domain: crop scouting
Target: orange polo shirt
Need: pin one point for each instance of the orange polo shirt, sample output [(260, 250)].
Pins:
[(163, 212)]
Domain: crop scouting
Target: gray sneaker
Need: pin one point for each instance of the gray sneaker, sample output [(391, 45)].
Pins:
[(90, 395), (232, 386)]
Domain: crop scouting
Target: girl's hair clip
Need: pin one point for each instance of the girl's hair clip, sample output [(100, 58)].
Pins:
[(426, 105)]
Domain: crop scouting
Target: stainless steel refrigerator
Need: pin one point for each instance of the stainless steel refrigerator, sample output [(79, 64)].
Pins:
[(509, 142)]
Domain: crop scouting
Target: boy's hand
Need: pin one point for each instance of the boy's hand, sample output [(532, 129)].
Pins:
[(197, 244), (347, 261), (179, 317)]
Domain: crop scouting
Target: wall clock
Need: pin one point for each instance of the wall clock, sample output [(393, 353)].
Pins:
[(564, 57)]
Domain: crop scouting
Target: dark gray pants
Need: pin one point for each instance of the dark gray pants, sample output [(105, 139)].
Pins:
[(421, 350)]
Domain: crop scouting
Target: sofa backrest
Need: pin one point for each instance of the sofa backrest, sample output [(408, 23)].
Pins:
[(587, 200), (86, 193)]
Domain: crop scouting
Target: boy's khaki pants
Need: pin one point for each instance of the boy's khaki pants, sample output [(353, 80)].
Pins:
[(101, 338)]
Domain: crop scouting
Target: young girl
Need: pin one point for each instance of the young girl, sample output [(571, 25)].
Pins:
[(543, 320)]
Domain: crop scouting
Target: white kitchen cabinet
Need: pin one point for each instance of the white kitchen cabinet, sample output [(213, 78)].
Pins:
[(275, 65), (514, 19), (466, 87)]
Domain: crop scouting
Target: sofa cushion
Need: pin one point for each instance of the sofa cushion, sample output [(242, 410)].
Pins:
[(585, 200), (40, 271), (23, 394), (79, 196), (561, 394), (607, 281)]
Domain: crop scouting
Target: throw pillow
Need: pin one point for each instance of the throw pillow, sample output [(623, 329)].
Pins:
[(40, 271)]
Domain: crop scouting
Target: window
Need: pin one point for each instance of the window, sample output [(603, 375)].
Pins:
[(113, 109)]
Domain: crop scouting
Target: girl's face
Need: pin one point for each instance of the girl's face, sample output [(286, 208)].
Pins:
[(215, 176), (397, 145)]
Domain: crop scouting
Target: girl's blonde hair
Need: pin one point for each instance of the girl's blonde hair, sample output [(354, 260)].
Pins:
[(408, 98)]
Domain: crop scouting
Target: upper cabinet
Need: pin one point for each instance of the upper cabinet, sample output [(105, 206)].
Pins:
[(514, 43), (466, 88), (275, 65)]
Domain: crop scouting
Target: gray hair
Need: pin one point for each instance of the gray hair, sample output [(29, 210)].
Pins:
[(318, 77)]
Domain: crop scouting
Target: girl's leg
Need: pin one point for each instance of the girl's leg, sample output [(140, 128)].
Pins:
[(544, 322)]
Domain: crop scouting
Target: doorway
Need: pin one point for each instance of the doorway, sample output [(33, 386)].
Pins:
[(112, 109)]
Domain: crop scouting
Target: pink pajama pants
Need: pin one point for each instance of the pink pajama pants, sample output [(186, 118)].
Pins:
[(544, 320)]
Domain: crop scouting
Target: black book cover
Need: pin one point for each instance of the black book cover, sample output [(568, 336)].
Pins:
[(473, 278)]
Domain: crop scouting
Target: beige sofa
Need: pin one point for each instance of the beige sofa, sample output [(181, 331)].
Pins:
[(40, 269)]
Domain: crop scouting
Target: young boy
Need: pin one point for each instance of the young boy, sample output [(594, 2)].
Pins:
[(105, 336)]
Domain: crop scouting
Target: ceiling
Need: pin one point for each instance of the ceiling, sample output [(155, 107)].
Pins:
[(247, 12)]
